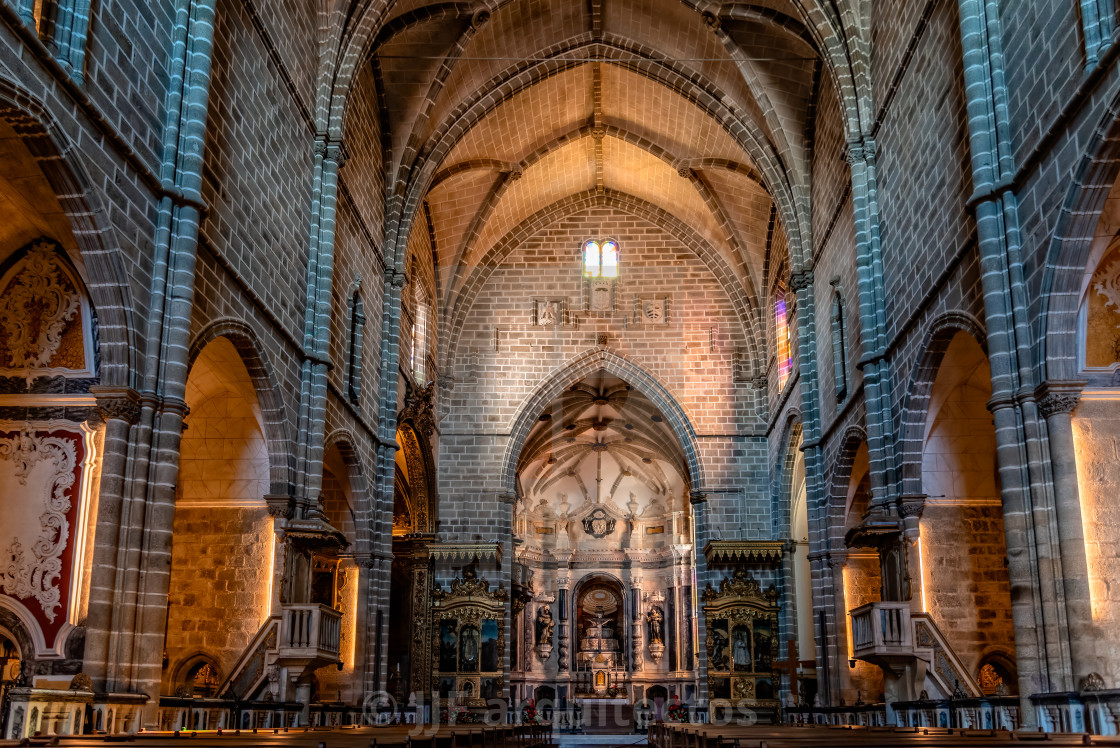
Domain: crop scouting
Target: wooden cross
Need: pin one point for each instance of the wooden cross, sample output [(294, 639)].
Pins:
[(789, 665)]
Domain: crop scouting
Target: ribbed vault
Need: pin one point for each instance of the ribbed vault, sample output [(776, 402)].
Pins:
[(496, 114)]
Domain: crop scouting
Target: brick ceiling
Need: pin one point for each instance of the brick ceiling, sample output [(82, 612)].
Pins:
[(494, 115)]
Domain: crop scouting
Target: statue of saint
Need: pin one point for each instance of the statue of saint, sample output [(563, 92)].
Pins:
[(545, 625), (717, 648), (741, 649), (468, 649), (656, 618)]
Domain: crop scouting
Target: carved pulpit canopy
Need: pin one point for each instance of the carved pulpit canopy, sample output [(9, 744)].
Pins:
[(740, 589), (419, 408)]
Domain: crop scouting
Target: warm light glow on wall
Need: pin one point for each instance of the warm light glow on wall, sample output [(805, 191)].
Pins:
[(848, 612), (1096, 439), (85, 496), (351, 604), (268, 579), (922, 572)]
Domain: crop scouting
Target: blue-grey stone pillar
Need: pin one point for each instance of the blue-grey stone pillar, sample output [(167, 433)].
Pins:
[(1034, 563), (873, 327), (329, 157)]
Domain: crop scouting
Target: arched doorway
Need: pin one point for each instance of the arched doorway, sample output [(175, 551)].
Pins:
[(223, 547), (862, 584), (1096, 442), (334, 576), (964, 585), (603, 533)]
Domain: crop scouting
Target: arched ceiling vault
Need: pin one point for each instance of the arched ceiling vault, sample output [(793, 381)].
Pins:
[(499, 113), (601, 442)]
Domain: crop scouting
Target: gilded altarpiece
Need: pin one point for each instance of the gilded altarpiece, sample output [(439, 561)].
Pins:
[(742, 629), (469, 639)]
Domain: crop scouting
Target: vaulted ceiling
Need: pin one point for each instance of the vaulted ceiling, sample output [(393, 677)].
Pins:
[(601, 442), (495, 114)]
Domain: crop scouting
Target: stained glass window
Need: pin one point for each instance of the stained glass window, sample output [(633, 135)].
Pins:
[(600, 260), (781, 328)]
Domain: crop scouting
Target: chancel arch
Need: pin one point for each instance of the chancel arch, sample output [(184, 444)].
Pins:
[(603, 529)]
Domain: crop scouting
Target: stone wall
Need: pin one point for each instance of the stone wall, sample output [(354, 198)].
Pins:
[(221, 574), (502, 358), (1096, 429)]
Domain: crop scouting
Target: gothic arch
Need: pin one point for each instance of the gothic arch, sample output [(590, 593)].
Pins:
[(356, 26), (190, 662), (1056, 344), (791, 437), (922, 376), (106, 279), (746, 307), (344, 442), (273, 413), (421, 474), (582, 366), (713, 102), (837, 483)]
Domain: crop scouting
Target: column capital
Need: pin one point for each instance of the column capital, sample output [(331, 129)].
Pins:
[(121, 403), (331, 149), (1058, 397), (860, 150), (801, 279)]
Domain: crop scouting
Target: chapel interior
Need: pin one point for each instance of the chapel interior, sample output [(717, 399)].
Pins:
[(369, 361)]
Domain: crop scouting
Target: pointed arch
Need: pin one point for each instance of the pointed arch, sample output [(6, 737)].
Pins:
[(274, 420), (343, 441), (585, 365), (106, 279), (1091, 182), (854, 437), (423, 503), (935, 343), (791, 441)]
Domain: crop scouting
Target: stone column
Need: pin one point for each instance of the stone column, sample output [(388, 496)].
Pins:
[(873, 339), (638, 626), (119, 409), (564, 612), (1057, 401), (1034, 564), (137, 637), (329, 158)]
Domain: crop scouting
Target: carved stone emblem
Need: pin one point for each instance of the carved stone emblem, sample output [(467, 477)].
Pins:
[(39, 306), (601, 296), (549, 313), (652, 310), (598, 524)]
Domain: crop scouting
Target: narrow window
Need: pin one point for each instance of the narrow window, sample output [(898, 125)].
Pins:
[(354, 361), (839, 348), (600, 260), (419, 353), (781, 329)]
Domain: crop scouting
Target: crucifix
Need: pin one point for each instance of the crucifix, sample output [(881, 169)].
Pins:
[(790, 665)]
